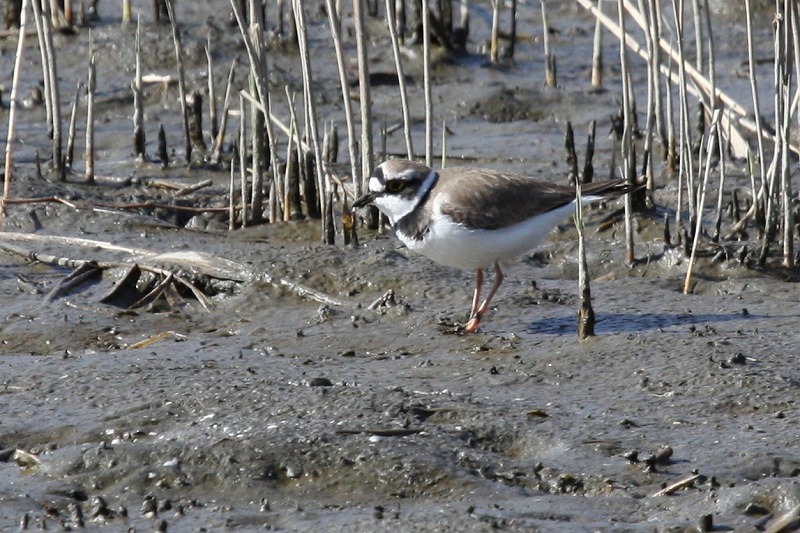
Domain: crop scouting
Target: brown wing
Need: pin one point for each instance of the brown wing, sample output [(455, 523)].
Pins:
[(481, 198)]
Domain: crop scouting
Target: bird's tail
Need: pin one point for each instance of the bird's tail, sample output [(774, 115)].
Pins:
[(603, 190)]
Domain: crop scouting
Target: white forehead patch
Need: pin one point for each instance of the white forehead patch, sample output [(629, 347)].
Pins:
[(375, 185)]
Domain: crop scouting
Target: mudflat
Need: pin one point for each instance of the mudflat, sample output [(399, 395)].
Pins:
[(272, 410)]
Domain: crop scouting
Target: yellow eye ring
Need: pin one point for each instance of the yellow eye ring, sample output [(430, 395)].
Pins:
[(395, 185)]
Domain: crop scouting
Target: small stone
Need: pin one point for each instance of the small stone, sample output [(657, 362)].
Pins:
[(320, 382), (149, 506), (706, 523), (632, 456), (738, 359), (754, 509)]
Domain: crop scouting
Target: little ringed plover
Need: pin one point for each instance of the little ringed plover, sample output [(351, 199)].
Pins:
[(472, 217)]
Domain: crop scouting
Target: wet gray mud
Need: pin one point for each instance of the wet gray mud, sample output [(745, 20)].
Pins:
[(275, 411)]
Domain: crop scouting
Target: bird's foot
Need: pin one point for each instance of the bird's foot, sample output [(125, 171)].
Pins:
[(471, 326)]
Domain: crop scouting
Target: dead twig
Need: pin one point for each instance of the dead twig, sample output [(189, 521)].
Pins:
[(678, 485)]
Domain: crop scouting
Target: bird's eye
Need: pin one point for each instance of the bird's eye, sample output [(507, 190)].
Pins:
[(395, 185)]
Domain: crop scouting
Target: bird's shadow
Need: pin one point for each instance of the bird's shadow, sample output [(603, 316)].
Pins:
[(635, 322)]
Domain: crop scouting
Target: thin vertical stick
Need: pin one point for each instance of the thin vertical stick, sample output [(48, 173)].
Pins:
[(390, 20), (586, 318), (352, 143), (671, 155), (139, 141), (126, 11), (176, 40), (54, 95), (90, 89), (294, 158), (597, 51), (588, 167), (68, 16), (711, 144), (494, 45), (426, 69), (712, 70), (276, 187), (311, 116), (39, 21), (163, 155), (231, 199), (722, 173), (444, 143), (366, 104), (627, 134), (572, 158), (12, 113), (654, 29), (790, 41), (685, 153), (550, 76), (289, 188), (73, 122), (258, 122), (212, 94), (243, 158), (756, 107), (698, 35), (653, 81), (512, 31), (220, 137)]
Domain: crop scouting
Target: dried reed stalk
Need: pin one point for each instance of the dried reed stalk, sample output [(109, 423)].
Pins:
[(91, 85), (176, 41), (597, 51), (231, 198), (390, 21), (243, 160), (38, 20), (512, 30), (628, 157), (494, 44), (711, 146), (586, 317), (138, 104), (12, 113), (352, 143), (73, 123), (366, 104), (163, 154), (550, 72), (219, 139), (311, 116), (427, 83), (294, 157), (54, 94), (685, 160), (259, 142), (212, 93)]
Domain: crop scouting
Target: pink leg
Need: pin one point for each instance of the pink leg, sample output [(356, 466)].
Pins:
[(476, 296), (472, 325)]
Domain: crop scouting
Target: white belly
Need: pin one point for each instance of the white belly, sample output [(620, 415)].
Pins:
[(455, 245)]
